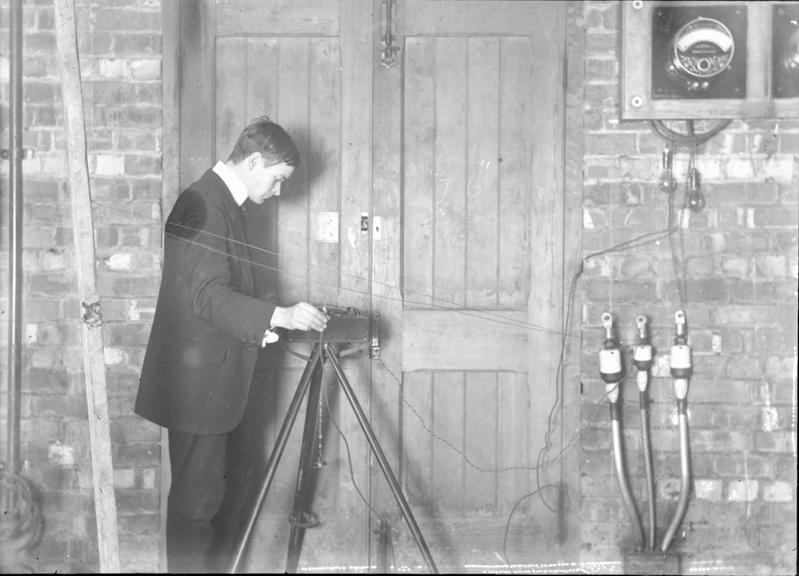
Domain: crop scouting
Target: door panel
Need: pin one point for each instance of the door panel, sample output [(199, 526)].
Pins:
[(482, 302), (452, 155), (295, 81), (288, 60)]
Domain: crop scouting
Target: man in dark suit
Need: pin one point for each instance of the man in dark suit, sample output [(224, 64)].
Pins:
[(205, 337)]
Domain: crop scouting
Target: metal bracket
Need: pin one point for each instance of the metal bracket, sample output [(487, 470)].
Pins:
[(27, 153), (389, 52)]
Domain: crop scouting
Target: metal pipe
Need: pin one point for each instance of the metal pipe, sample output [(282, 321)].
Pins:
[(621, 476), (15, 239), (681, 369), (612, 372), (650, 475), (685, 476), (642, 359)]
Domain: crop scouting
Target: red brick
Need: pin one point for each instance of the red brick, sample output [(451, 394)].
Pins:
[(780, 368), (774, 216), (777, 441), (124, 19), (141, 454), (137, 44), (776, 341), (778, 492), (142, 165)]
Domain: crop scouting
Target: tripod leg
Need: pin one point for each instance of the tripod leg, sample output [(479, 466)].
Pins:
[(274, 458), (407, 513), (306, 474)]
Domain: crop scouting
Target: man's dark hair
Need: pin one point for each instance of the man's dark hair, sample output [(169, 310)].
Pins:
[(264, 136)]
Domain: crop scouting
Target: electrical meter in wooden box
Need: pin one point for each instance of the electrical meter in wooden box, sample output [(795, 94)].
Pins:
[(684, 60)]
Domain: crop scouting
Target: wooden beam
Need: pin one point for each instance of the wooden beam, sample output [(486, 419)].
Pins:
[(170, 189), (91, 320)]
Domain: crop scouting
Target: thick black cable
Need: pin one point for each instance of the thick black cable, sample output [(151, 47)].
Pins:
[(637, 242), (690, 139)]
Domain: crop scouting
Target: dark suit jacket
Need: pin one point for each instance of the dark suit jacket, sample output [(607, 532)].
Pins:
[(208, 325)]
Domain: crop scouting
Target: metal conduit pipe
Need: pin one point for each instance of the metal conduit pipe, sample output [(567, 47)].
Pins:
[(15, 239), (612, 373), (650, 475), (642, 359), (681, 371), (685, 477), (621, 476), (23, 525)]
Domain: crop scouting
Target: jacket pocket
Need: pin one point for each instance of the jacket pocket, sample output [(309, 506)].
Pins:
[(196, 353)]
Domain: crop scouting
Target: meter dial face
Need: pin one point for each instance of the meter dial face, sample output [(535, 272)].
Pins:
[(703, 48), (699, 51)]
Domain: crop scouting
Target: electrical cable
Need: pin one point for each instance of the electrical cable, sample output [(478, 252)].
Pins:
[(690, 139), (20, 523), (510, 515), (558, 389), (637, 242), (450, 305), (349, 457), (448, 443), (678, 261)]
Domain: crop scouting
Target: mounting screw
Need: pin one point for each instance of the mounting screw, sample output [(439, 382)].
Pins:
[(638, 4), (636, 101)]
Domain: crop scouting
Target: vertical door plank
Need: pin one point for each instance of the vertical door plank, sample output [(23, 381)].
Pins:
[(386, 262), (323, 195), (482, 172), (356, 172), (198, 44), (419, 171), (293, 82), (262, 225), (262, 76), (515, 158), (448, 464), (449, 210), (417, 440), (514, 439), (545, 304), (481, 420), (231, 93), (356, 144)]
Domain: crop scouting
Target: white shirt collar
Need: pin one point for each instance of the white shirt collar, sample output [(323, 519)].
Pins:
[(232, 181)]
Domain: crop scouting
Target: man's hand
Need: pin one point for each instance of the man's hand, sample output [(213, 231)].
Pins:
[(301, 316)]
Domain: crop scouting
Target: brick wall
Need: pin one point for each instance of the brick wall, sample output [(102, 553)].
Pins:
[(739, 256), (120, 51), (739, 259)]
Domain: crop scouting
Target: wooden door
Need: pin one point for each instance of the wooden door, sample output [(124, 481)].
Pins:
[(307, 65), (469, 169), (454, 157)]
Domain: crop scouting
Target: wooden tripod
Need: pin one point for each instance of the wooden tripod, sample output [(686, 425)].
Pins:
[(312, 379)]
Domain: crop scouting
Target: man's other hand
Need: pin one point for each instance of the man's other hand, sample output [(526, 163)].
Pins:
[(301, 316)]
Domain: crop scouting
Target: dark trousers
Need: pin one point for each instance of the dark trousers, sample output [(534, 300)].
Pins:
[(214, 480)]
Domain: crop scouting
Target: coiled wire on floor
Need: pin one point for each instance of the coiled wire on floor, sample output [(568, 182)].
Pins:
[(20, 524)]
